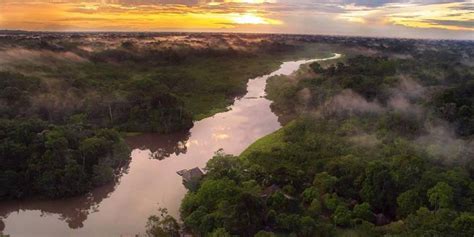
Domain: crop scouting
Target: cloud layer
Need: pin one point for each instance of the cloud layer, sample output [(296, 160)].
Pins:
[(402, 18)]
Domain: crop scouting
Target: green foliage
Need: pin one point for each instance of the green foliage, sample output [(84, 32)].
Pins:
[(363, 211), (224, 166), (342, 216), (134, 86), (364, 74), (343, 173), (288, 222), (464, 224), (437, 223), (310, 194), (15, 93), (277, 201), (75, 100), (56, 161), (162, 225), (331, 201), (409, 202), (379, 188), (315, 208), (325, 182), (219, 232), (264, 234), (222, 204), (308, 226), (441, 195), (456, 105), (316, 67)]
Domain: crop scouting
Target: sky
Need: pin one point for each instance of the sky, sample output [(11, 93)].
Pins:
[(445, 19)]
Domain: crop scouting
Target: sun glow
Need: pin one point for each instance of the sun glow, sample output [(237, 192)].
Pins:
[(357, 16), (249, 19), (232, 15), (252, 19), (102, 16), (248, 2)]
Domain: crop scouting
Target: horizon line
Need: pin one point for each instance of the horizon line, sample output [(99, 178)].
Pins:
[(234, 32)]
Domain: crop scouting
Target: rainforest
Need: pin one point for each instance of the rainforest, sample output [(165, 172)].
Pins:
[(234, 134)]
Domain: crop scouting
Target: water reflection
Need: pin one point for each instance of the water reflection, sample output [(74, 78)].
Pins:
[(160, 146), (73, 211), (122, 210)]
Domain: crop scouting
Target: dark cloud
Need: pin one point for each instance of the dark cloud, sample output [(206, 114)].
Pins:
[(379, 3), (369, 3), (465, 24)]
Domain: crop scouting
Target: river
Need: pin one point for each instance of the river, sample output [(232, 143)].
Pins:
[(150, 181)]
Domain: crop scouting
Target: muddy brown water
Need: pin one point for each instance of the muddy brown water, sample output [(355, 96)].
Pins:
[(150, 181)]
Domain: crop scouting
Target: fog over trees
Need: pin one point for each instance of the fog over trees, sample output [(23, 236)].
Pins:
[(378, 142)]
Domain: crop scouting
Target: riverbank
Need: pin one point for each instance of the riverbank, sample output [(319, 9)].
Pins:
[(367, 153), (151, 176), (67, 89)]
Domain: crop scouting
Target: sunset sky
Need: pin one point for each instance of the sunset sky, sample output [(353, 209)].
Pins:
[(398, 18)]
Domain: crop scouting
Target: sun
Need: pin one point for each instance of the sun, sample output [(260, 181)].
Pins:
[(249, 19)]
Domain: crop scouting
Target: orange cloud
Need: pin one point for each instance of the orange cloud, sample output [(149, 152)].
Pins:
[(289, 16), (448, 16), (99, 16)]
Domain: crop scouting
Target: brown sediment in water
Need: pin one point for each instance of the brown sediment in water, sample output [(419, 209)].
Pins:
[(121, 209)]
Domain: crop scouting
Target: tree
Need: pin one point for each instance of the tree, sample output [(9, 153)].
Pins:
[(310, 194), (224, 166), (91, 149), (405, 169), (342, 216), (195, 220), (330, 201), (220, 232), (74, 180), (288, 222), (324, 182), (408, 202), (277, 201), (55, 161), (163, 225), (464, 224), (315, 208), (441, 195), (316, 67), (247, 214), (308, 226), (102, 174), (379, 189), (437, 223), (362, 211)]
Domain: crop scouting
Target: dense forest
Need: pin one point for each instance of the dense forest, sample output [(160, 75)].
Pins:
[(55, 161), (128, 83), (373, 145), (378, 142), (64, 98)]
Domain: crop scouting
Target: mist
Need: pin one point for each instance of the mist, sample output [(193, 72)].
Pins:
[(438, 137), (15, 56)]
